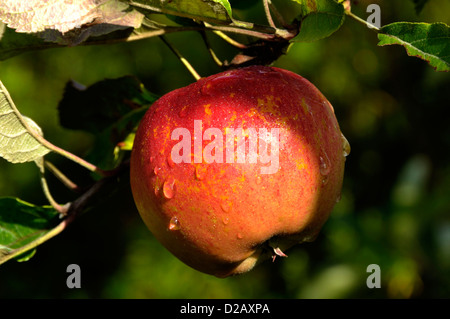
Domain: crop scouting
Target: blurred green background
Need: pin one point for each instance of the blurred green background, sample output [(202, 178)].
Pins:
[(395, 206)]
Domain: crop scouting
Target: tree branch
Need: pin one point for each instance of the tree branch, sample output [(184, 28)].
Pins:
[(74, 209)]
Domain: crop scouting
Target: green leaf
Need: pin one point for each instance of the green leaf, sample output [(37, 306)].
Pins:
[(97, 107), (26, 255), (18, 143), (430, 42), (13, 43), (319, 18), (110, 109), (204, 10), (109, 144), (22, 225)]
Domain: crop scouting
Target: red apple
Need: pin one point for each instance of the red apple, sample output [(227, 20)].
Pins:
[(221, 206)]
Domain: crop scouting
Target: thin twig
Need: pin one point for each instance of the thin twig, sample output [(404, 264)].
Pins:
[(39, 138), (260, 32), (268, 15), (210, 50), (60, 209), (277, 14), (72, 157), (40, 163), (182, 59), (231, 41), (367, 23), (73, 209), (251, 33), (61, 177), (52, 233)]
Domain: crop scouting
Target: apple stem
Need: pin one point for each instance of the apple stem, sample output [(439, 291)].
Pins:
[(277, 252)]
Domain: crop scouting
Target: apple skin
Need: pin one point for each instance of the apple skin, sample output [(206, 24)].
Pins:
[(223, 218)]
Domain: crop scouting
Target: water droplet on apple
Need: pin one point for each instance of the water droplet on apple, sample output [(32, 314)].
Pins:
[(324, 165), (156, 170), (226, 206), (156, 190), (209, 86), (183, 111), (308, 108), (170, 162), (225, 220), (206, 88), (169, 188), (345, 146), (201, 171), (152, 159), (239, 236), (263, 71), (174, 224)]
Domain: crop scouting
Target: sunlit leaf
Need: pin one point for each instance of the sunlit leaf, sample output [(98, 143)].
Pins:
[(33, 16), (13, 43), (37, 15), (68, 22), (17, 144), (21, 223), (430, 42)]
